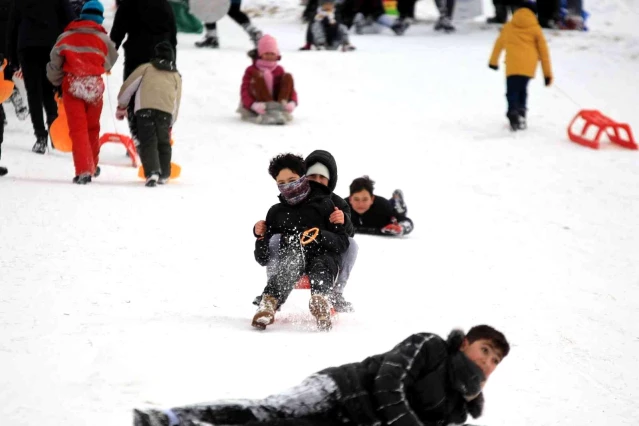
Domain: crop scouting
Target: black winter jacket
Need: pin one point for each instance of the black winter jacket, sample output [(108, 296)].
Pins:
[(327, 159), (36, 23), (423, 381), (5, 10), (292, 221), (378, 216), (145, 23)]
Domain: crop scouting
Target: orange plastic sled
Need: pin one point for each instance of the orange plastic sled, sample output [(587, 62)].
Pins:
[(6, 86), (176, 171), (59, 130), (602, 124)]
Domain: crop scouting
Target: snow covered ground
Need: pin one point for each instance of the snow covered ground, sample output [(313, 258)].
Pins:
[(114, 295)]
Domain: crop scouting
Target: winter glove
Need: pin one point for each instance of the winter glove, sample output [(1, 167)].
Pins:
[(493, 67), (121, 113), (259, 107), (290, 107), (393, 229), (548, 81)]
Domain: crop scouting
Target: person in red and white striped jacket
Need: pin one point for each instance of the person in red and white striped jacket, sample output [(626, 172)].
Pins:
[(82, 53)]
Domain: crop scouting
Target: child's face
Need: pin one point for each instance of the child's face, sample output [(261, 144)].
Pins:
[(269, 56), (319, 179), (362, 201), (483, 353), (286, 176), (328, 7)]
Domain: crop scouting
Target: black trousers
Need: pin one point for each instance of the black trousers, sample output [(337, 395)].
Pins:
[(446, 7), (293, 262), (517, 94), (406, 8), (235, 13), (33, 61), (547, 10), (155, 141)]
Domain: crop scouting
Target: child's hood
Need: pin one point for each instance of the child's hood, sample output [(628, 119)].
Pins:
[(524, 18), (83, 24)]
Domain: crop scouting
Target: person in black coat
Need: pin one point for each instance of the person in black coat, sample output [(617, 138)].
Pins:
[(423, 381), (145, 24), (310, 243), (34, 26), (375, 215), (322, 168)]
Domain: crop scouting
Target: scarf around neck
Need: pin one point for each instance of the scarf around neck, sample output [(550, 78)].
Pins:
[(267, 68), (295, 192)]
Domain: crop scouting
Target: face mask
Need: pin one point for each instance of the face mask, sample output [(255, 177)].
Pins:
[(295, 192)]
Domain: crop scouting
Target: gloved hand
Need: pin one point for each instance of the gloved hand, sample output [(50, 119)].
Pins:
[(290, 107), (121, 113), (493, 67), (393, 229), (548, 81), (259, 107)]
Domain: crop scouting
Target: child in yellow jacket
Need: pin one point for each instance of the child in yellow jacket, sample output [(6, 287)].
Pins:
[(525, 45)]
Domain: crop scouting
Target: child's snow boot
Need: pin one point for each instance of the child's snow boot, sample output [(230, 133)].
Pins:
[(400, 26), (82, 179), (265, 314), (522, 120), (398, 203), (253, 33), (152, 180), (97, 171), (211, 42), (444, 24), (40, 146), (340, 304), (150, 418), (320, 307), (275, 114), (513, 118)]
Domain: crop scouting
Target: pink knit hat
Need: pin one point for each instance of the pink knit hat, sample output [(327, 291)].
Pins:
[(267, 44)]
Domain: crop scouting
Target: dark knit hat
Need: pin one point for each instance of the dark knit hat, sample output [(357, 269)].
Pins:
[(93, 11), (164, 50)]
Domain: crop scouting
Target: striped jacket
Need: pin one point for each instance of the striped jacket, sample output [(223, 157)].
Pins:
[(423, 381), (83, 50)]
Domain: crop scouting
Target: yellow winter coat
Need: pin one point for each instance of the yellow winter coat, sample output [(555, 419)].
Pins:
[(525, 45)]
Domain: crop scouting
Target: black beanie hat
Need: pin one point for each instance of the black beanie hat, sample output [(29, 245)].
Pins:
[(164, 50)]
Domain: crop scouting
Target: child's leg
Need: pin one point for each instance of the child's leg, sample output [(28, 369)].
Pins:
[(286, 272), (148, 138), (237, 15), (79, 132), (332, 33), (347, 262), (406, 8), (94, 111), (316, 395), (273, 256), (523, 96), (286, 88), (318, 34), (322, 271), (512, 93), (262, 94), (162, 126)]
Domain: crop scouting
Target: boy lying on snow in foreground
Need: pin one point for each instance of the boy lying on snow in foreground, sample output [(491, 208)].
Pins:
[(423, 381)]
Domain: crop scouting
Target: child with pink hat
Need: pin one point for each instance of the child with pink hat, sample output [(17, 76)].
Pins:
[(267, 94)]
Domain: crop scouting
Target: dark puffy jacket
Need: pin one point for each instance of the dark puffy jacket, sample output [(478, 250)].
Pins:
[(36, 23), (378, 216), (327, 159), (5, 10), (292, 221), (145, 23), (423, 381)]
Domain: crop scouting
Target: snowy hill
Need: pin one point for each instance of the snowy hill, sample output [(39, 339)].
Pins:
[(115, 295)]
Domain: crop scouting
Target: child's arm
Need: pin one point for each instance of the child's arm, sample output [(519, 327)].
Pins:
[(245, 91), (112, 53), (54, 67), (544, 54), (131, 86), (262, 242), (499, 46), (400, 367)]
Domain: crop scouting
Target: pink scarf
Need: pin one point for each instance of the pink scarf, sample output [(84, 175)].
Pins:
[(267, 68)]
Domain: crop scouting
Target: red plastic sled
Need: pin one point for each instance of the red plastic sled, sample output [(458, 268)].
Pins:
[(124, 140), (602, 123)]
